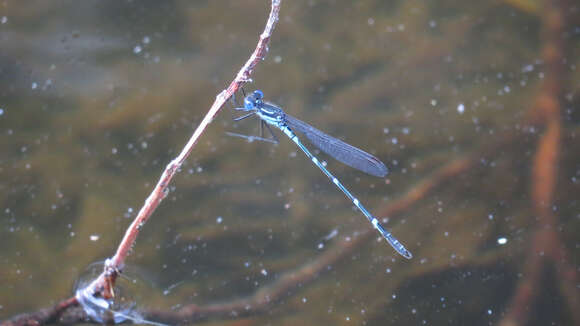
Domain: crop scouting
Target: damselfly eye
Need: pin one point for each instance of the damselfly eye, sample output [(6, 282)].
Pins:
[(258, 94)]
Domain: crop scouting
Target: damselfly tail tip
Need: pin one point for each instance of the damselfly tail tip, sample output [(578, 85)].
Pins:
[(407, 254), (402, 250)]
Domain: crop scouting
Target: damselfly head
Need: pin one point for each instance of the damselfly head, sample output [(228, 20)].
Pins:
[(253, 100)]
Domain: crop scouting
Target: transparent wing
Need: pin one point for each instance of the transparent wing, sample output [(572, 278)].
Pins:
[(338, 149)]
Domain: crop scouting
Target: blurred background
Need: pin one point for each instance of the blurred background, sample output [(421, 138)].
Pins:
[(473, 106)]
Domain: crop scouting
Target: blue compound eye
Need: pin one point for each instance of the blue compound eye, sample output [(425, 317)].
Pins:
[(258, 94)]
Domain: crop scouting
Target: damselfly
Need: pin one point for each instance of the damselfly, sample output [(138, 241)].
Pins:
[(270, 114)]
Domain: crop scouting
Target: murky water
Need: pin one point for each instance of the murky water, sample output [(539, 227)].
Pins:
[(96, 97)]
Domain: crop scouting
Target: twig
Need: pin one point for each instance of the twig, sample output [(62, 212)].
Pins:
[(43, 316), (103, 285)]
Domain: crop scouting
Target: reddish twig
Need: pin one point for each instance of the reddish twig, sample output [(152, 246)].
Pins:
[(104, 284), (160, 189), (43, 316)]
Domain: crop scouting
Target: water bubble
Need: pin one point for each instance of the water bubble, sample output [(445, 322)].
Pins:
[(331, 235), (502, 241), (137, 49), (528, 68), (461, 108)]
